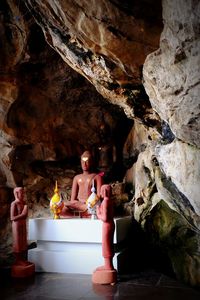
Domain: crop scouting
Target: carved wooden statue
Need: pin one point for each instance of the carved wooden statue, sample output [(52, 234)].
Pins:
[(106, 274), (18, 216)]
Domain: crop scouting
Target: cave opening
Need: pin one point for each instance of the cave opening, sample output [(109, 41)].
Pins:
[(57, 114), (120, 79)]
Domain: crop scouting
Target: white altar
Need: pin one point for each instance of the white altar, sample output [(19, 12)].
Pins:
[(72, 245)]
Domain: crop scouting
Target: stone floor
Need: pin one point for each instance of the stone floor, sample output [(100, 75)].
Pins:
[(53, 286)]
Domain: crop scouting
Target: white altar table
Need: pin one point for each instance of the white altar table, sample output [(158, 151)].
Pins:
[(72, 245)]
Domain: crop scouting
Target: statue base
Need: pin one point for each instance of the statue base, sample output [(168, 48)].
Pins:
[(22, 271), (74, 245), (104, 277)]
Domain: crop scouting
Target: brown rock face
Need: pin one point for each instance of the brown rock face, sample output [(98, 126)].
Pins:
[(71, 72), (55, 115), (49, 114), (107, 42)]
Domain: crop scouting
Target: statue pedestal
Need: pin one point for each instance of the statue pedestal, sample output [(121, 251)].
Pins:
[(104, 277), (73, 245), (22, 271)]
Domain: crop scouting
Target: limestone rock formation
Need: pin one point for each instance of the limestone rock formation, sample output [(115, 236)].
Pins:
[(89, 37), (171, 79), (107, 74), (172, 74)]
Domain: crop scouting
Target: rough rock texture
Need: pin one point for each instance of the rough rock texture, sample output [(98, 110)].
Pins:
[(181, 163), (49, 113), (166, 227), (107, 42), (172, 74), (171, 79), (168, 217), (169, 170)]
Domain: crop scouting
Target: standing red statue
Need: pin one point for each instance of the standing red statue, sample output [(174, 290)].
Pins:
[(18, 216), (81, 188), (106, 274)]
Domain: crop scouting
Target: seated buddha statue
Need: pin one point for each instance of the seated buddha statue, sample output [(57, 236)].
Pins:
[(81, 188)]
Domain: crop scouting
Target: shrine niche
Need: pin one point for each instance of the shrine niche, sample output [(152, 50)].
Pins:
[(120, 79)]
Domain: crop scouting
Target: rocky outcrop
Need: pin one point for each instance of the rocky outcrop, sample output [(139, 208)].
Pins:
[(166, 174), (89, 37), (171, 79), (59, 81), (181, 163), (162, 201), (172, 74), (171, 232)]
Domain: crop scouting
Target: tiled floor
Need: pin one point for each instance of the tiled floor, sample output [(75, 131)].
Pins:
[(53, 286)]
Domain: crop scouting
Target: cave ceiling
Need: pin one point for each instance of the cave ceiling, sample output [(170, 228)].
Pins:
[(68, 68)]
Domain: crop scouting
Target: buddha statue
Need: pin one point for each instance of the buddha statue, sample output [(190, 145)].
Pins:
[(81, 189)]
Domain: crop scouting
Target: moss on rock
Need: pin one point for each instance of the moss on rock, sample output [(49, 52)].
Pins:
[(178, 239)]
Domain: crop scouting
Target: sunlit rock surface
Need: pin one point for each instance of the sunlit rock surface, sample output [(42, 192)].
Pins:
[(181, 163), (172, 73), (165, 211), (170, 170), (107, 42)]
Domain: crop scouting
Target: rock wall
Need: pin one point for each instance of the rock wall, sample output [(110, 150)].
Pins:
[(50, 113), (167, 175), (171, 74)]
